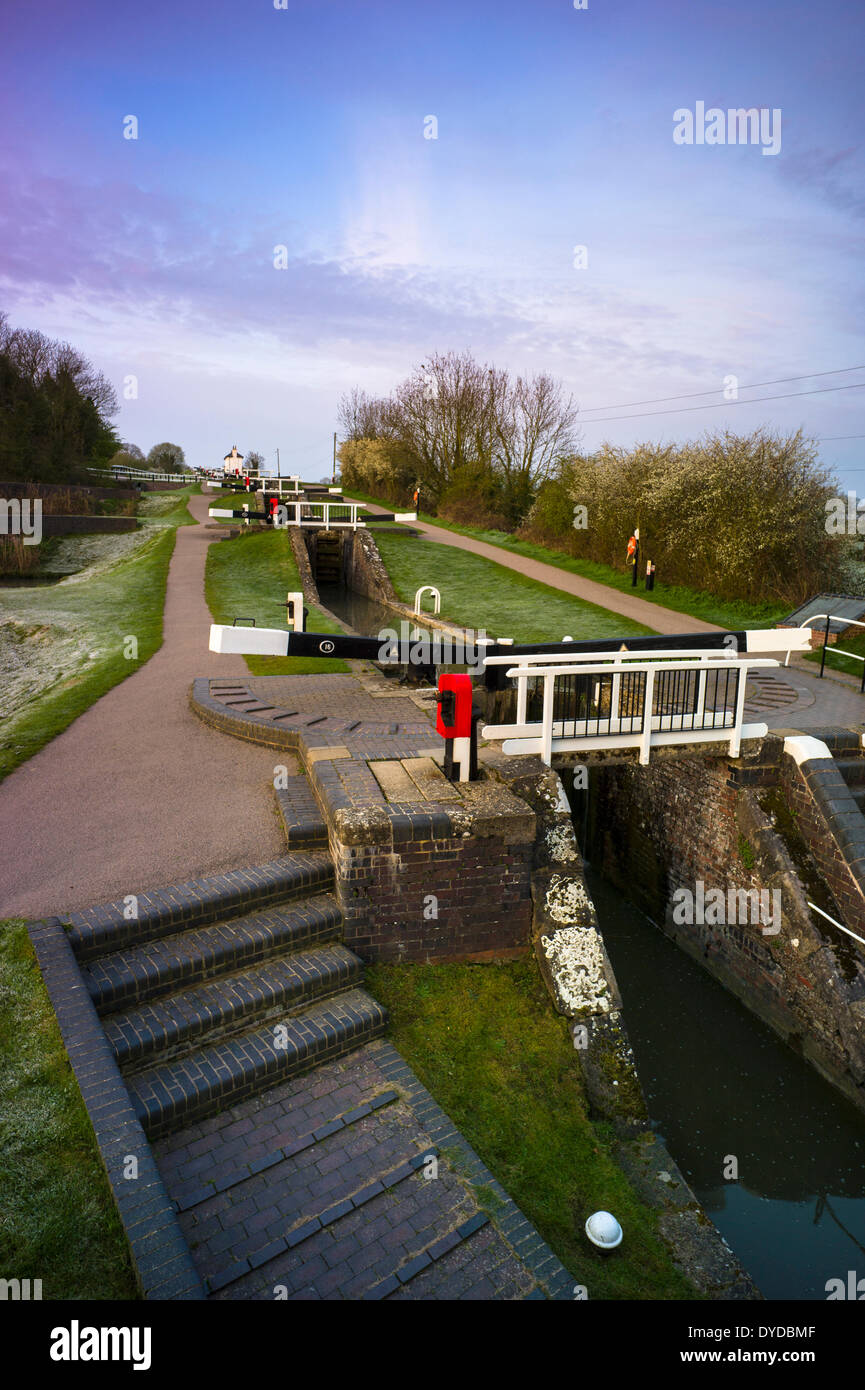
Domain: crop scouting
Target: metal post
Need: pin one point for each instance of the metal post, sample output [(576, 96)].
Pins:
[(825, 641), (547, 725), (736, 739), (699, 712), (522, 693), (646, 740)]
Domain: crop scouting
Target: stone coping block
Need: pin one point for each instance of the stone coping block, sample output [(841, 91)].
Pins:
[(163, 1265), (358, 814)]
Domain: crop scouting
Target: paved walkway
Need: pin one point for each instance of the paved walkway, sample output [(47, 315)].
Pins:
[(138, 793)]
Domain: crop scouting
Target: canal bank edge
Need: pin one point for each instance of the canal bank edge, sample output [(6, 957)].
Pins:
[(576, 968), (760, 822)]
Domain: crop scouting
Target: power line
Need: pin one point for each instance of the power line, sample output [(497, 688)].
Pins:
[(828, 438), (692, 395), (687, 409)]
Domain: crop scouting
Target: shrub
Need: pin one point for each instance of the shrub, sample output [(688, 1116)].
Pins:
[(742, 515)]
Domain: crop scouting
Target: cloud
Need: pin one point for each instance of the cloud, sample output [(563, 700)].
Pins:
[(124, 251)]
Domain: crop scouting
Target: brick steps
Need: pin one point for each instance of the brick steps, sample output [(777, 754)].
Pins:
[(302, 821), (853, 771), (140, 973), (148, 916), (190, 1196), (426, 1258), (174, 1093), (309, 1225), (168, 1028)]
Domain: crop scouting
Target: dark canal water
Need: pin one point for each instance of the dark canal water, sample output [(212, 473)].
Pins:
[(364, 614), (718, 1082)]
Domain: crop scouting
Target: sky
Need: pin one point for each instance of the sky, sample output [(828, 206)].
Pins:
[(321, 194)]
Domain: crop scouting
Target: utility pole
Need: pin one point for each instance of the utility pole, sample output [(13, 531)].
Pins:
[(278, 474), (334, 456)]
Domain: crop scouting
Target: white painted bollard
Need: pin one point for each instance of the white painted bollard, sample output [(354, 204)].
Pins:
[(294, 612)]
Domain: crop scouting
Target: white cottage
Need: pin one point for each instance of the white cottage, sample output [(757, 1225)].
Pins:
[(232, 463)]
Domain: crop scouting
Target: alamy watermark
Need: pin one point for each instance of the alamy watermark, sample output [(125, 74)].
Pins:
[(20, 1290), (21, 517), (715, 907), (739, 126), (845, 516), (413, 646)]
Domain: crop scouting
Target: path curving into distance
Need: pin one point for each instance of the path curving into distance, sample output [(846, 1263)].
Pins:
[(651, 615), (793, 696), (137, 793)]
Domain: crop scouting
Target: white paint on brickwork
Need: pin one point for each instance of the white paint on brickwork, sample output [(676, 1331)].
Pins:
[(561, 841), (803, 749), (576, 959)]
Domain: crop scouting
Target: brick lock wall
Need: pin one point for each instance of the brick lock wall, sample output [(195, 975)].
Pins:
[(842, 881), (482, 888), (655, 829), (663, 827)]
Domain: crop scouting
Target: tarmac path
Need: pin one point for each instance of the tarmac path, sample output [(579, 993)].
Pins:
[(138, 793)]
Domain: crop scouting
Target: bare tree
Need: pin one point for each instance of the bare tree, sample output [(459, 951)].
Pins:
[(535, 430), (362, 416)]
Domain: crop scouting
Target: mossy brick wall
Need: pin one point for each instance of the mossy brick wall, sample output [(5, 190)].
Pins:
[(655, 829), (365, 571), (658, 828), (482, 891)]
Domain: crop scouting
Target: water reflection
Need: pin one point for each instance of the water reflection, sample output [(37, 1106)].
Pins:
[(719, 1083), (367, 616)]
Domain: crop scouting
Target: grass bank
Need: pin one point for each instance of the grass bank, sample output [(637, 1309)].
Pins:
[(249, 577), (710, 608), (478, 593), (59, 1222), (63, 646), (836, 662), (486, 1042)]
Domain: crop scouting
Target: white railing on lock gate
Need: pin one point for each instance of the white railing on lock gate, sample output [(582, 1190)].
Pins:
[(635, 716)]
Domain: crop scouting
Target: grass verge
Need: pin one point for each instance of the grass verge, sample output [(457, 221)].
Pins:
[(249, 577), (77, 633), (836, 662), (480, 594), (733, 614), (486, 1042), (59, 1223)]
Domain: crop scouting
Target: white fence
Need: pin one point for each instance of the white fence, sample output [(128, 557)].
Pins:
[(829, 618), (633, 700), (328, 515)]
